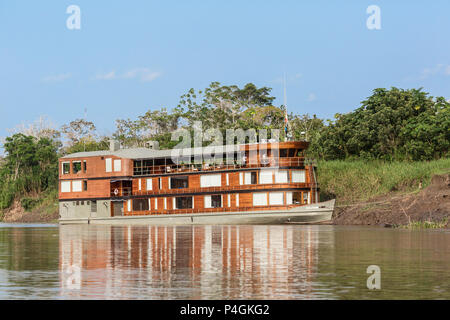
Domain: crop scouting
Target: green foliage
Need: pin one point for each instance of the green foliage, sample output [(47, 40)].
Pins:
[(29, 203), (391, 124), (30, 167), (417, 225)]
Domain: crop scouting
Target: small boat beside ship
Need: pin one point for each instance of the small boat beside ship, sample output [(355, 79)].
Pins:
[(256, 183)]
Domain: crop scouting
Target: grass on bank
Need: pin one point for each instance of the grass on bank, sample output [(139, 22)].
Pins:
[(356, 181), (417, 225)]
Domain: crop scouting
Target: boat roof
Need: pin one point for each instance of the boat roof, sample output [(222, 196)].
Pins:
[(147, 153)]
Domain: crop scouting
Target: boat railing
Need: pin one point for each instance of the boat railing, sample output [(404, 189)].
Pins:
[(209, 167), (127, 191), (209, 210)]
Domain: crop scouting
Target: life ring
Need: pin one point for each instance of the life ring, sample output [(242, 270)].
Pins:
[(116, 191)]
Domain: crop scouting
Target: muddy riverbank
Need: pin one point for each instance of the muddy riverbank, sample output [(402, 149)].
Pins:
[(431, 204)]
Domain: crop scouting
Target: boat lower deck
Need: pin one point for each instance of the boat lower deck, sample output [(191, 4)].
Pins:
[(314, 213)]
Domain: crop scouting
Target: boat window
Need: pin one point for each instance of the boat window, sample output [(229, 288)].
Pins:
[(108, 164), (85, 185), (216, 201), (298, 176), (84, 166), (140, 205), (250, 177), (179, 182), (149, 184), (210, 180), (184, 202), (77, 186), (66, 167), (65, 186), (291, 153), (266, 176), (117, 165), (283, 153), (137, 167), (260, 199), (289, 199), (276, 198), (213, 201), (305, 197), (281, 176), (296, 197), (76, 166)]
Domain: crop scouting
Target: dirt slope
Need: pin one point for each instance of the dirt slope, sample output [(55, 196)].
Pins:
[(430, 204)]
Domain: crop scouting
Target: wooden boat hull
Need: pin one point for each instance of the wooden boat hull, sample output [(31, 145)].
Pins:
[(309, 214)]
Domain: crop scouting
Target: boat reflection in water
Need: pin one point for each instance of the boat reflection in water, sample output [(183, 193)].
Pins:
[(189, 262)]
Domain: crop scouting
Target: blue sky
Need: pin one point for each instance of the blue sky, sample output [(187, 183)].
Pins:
[(132, 56)]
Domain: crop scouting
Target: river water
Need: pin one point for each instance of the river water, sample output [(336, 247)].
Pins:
[(221, 262)]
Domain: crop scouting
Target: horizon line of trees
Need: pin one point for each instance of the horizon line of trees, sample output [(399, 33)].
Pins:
[(391, 124)]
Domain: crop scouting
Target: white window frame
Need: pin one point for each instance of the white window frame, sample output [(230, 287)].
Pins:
[(282, 176), (264, 176), (117, 165), (275, 197), (77, 185), (208, 202), (260, 199), (298, 176), (108, 164), (289, 198), (149, 184), (62, 167), (66, 186), (210, 180)]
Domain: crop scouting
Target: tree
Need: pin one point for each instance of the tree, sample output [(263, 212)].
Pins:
[(78, 130), (29, 167), (386, 127)]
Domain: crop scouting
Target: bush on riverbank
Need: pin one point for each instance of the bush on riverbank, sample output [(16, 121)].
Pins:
[(358, 180)]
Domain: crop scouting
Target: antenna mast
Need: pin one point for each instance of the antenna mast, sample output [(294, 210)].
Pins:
[(286, 121)]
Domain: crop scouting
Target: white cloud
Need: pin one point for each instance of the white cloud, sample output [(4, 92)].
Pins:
[(439, 69), (311, 97), (143, 74), (447, 71), (107, 76), (57, 78)]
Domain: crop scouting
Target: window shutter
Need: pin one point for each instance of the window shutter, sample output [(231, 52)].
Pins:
[(281, 176), (276, 198), (207, 201), (108, 163), (260, 199), (76, 186), (65, 186), (265, 176), (117, 165), (289, 197), (248, 178), (298, 176)]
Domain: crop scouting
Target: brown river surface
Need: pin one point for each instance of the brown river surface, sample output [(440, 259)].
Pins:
[(221, 262)]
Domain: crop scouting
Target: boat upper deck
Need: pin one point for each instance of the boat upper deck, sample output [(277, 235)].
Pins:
[(146, 161)]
